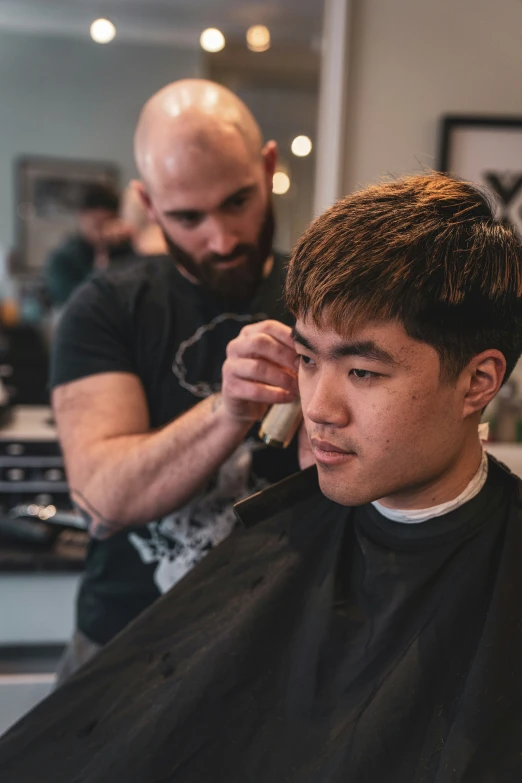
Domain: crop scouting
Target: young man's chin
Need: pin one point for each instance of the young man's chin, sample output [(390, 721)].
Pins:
[(335, 488)]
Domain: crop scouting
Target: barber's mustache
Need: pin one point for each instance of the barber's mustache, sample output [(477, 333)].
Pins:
[(240, 250)]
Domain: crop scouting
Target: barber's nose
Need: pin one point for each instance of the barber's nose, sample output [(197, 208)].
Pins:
[(326, 404), (222, 239)]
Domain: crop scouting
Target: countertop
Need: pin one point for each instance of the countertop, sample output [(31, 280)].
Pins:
[(30, 431), (29, 422), (67, 553)]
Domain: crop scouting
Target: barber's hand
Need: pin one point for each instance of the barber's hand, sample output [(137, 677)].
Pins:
[(260, 370)]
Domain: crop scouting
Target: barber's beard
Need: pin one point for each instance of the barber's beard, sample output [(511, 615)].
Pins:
[(237, 285)]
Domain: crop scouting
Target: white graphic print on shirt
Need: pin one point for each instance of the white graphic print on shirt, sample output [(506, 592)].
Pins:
[(203, 389), (180, 540)]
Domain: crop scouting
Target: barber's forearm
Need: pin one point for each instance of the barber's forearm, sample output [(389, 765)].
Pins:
[(132, 479)]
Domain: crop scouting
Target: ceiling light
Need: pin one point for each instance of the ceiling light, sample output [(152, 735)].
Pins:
[(258, 38), (102, 31), (212, 40), (280, 183), (301, 146)]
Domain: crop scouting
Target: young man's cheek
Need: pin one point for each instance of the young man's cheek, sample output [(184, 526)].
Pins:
[(306, 389)]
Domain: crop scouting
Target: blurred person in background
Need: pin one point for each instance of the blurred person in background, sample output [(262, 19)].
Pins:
[(101, 238), (161, 371)]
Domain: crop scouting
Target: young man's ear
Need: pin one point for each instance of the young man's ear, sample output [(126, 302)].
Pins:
[(484, 374), (270, 157)]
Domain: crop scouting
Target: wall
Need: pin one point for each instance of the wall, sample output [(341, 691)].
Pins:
[(414, 60), (72, 98), (283, 114)]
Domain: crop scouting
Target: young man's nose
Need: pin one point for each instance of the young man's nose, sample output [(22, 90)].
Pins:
[(326, 405)]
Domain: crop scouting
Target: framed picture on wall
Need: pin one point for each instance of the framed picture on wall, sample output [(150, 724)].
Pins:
[(48, 192), (487, 151)]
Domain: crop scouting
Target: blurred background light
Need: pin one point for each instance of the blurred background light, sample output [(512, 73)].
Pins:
[(212, 40), (258, 38), (301, 146), (280, 183), (103, 31)]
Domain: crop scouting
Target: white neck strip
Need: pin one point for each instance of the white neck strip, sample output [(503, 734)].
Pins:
[(422, 514)]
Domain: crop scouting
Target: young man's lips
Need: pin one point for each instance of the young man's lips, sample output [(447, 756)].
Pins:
[(329, 453)]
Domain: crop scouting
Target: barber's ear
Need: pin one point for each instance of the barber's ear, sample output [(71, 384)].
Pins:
[(270, 157), (484, 376), (139, 187)]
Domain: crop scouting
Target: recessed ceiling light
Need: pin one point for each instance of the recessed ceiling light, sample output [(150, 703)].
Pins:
[(301, 146), (258, 38), (280, 183), (103, 31), (212, 40)]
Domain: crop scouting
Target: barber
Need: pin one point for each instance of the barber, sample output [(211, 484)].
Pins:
[(161, 372)]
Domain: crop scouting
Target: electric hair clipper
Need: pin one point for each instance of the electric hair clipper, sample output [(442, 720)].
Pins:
[(281, 423)]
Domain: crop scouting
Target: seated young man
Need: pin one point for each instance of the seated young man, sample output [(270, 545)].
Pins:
[(368, 627)]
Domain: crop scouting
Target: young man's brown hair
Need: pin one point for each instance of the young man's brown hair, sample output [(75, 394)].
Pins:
[(424, 250)]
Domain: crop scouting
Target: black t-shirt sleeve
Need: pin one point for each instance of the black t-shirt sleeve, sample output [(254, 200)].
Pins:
[(93, 336)]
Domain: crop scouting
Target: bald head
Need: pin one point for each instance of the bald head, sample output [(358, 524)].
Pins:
[(191, 116), (207, 182)]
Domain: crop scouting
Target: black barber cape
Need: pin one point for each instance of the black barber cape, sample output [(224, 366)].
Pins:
[(320, 645)]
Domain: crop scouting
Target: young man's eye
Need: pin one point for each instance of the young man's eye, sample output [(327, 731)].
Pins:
[(305, 360), (364, 375)]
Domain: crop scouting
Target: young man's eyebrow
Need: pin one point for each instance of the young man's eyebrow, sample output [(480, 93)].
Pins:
[(366, 349), (297, 337)]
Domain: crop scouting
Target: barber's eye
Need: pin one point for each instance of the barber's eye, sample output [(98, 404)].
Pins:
[(190, 219), (237, 202)]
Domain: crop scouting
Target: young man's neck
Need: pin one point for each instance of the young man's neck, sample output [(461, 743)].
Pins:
[(443, 488)]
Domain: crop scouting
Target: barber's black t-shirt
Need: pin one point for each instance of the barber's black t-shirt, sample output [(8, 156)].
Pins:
[(151, 321)]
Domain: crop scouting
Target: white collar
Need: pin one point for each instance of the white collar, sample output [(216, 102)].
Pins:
[(422, 514)]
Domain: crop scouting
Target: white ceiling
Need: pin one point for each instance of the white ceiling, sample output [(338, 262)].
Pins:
[(174, 21)]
